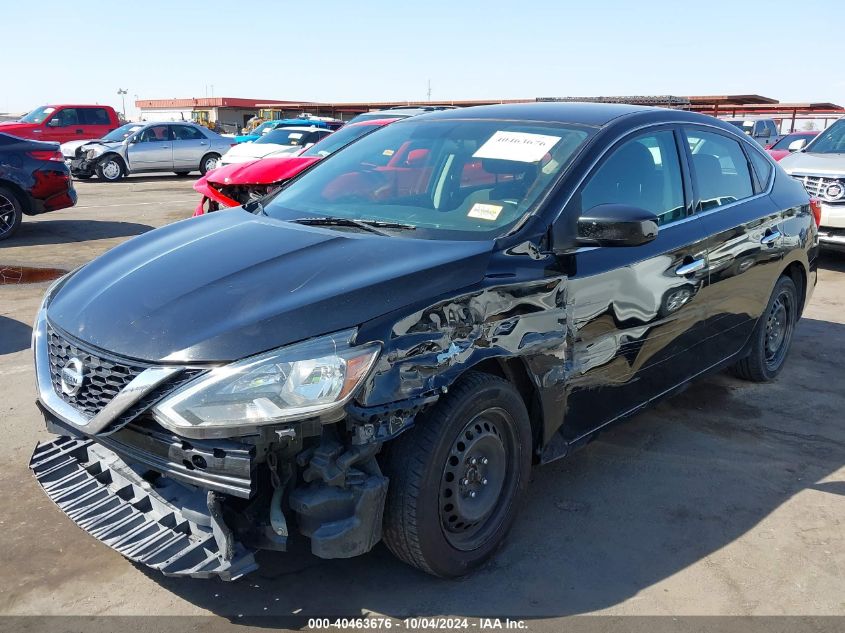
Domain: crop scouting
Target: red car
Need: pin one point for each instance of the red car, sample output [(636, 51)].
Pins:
[(63, 123), (237, 184), (781, 147)]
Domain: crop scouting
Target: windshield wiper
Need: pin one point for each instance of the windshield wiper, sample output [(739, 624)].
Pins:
[(373, 226)]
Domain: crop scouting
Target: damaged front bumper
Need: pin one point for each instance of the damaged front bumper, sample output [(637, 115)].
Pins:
[(171, 527)]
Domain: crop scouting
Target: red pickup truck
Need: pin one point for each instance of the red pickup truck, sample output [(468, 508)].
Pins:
[(62, 123)]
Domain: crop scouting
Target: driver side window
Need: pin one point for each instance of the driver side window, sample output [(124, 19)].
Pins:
[(643, 172)]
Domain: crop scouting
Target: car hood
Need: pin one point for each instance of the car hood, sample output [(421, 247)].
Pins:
[(69, 148), (807, 163), (261, 172), (231, 284), (8, 126)]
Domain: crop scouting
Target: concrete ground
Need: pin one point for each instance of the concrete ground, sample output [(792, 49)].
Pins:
[(728, 499)]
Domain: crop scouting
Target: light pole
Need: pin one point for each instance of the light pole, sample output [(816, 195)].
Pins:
[(122, 92)]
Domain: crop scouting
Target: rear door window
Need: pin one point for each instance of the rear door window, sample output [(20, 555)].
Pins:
[(720, 169), (643, 172), (187, 133), (93, 116)]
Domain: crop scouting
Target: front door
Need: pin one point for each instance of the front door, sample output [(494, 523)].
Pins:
[(152, 150), (65, 125), (636, 313), (189, 146)]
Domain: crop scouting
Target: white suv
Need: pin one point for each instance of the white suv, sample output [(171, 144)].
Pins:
[(820, 166)]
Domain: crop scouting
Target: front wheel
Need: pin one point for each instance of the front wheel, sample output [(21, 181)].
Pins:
[(457, 477), (11, 213), (208, 162), (773, 335), (111, 169)]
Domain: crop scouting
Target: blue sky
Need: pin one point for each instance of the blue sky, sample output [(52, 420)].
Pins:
[(378, 50)]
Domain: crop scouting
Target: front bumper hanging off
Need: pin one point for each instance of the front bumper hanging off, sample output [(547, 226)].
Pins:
[(172, 528)]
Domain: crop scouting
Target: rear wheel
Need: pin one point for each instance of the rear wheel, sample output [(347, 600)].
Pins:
[(111, 169), (772, 336), (208, 162), (457, 477), (11, 213)]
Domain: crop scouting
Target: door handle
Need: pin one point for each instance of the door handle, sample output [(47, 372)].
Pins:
[(203, 143), (692, 267), (80, 131), (770, 238)]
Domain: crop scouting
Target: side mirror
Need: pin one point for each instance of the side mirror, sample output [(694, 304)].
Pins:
[(54, 122), (797, 145), (616, 225)]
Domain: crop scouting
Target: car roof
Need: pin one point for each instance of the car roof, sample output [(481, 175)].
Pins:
[(373, 122), (578, 113)]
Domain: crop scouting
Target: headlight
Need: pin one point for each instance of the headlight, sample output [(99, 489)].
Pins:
[(289, 383)]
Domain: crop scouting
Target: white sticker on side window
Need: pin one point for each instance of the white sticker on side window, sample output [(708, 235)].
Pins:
[(485, 211), (519, 146), (295, 135)]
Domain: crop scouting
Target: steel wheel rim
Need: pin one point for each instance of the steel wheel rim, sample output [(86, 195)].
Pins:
[(478, 480), (779, 324), (111, 170), (7, 215), (210, 163)]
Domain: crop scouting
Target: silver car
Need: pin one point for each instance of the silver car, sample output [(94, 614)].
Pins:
[(820, 167), (175, 146)]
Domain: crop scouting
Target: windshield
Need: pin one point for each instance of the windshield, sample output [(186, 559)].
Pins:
[(787, 140), (38, 115), (453, 179), (831, 141), (263, 128), (283, 136), (121, 133), (334, 142), (745, 126)]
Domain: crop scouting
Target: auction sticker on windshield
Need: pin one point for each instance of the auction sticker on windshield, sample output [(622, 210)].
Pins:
[(484, 211), (523, 147)]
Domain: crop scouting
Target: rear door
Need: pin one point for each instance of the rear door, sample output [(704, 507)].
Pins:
[(152, 150), (189, 146), (731, 180), (637, 312), (95, 122)]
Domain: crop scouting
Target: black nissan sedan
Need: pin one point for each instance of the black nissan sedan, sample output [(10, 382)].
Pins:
[(383, 348)]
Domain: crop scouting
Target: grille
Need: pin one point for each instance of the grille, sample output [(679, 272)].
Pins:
[(104, 377), (816, 185)]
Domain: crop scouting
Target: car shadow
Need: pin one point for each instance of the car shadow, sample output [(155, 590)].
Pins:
[(14, 335), (643, 502), (832, 261), (50, 231), (138, 178)]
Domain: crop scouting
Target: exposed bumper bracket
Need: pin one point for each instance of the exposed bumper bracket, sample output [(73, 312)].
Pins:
[(109, 500)]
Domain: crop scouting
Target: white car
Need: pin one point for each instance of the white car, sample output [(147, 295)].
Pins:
[(281, 141)]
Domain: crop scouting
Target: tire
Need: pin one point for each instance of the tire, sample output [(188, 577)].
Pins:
[(208, 162), (11, 213), (111, 168), (773, 335), (181, 173), (444, 513)]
